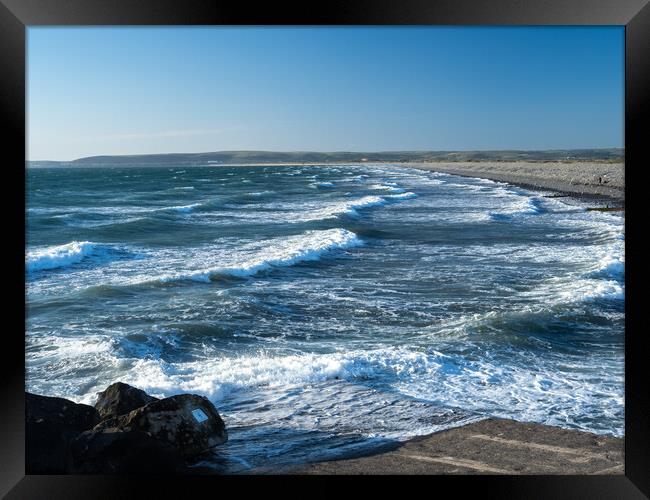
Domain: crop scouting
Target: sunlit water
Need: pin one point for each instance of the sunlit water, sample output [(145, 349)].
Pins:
[(325, 310)]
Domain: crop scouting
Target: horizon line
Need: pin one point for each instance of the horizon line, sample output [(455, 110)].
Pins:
[(622, 148)]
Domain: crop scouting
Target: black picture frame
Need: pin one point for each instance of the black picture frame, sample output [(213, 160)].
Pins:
[(17, 15)]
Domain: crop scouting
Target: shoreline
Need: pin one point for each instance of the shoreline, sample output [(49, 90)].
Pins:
[(579, 180), (575, 179), (490, 446)]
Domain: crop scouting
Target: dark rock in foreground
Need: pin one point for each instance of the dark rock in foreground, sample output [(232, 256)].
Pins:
[(118, 399), (117, 452), (139, 433), (50, 424), (189, 422)]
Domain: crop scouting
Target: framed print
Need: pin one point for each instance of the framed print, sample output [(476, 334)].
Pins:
[(277, 244)]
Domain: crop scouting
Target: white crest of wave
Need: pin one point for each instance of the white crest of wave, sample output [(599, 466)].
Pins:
[(402, 196), (308, 246), (53, 257), (184, 208), (388, 186), (521, 205), (587, 289), (260, 193), (346, 208), (350, 207)]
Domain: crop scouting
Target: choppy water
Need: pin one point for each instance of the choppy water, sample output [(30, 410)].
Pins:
[(325, 310)]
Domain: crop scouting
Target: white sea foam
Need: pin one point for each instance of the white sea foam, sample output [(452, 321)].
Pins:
[(530, 385), (215, 378), (53, 257)]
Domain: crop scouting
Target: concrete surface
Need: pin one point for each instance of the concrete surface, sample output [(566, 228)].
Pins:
[(492, 446)]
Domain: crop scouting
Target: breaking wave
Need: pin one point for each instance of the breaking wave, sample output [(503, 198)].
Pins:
[(309, 246), (58, 256)]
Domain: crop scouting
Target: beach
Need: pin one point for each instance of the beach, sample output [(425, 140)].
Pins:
[(602, 179)]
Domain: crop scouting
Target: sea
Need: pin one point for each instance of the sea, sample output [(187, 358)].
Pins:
[(327, 311)]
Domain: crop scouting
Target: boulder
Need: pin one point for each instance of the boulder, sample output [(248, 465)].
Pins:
[(118, 399), (50, 424), (188, 422), (112, 451)]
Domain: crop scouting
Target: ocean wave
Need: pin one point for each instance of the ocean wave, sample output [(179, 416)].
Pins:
[(402, 196), (345, 208), (323, 184), (260, 193), (216, 378), (309, 246), (388, 186), (613, 266), (351, 207), (524, 205), (57, 256), (576, 289), (183, 208), (610, 261)]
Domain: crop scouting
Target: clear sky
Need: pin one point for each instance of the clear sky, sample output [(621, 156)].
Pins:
[(138, 90)]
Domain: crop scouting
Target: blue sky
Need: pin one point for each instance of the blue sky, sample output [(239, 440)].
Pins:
[(138, 90)]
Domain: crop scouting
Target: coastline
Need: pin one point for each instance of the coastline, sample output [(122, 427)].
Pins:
[(576, 179), (571, 179)]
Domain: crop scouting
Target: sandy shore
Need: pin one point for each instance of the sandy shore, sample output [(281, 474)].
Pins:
[(577, 178), (491, 446)]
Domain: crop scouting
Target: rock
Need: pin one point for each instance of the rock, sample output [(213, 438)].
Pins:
[(188, 422), (118, 399), (112, 451), (50, 424)]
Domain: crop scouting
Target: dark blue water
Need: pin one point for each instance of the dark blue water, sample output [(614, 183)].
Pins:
[(325, 310)]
